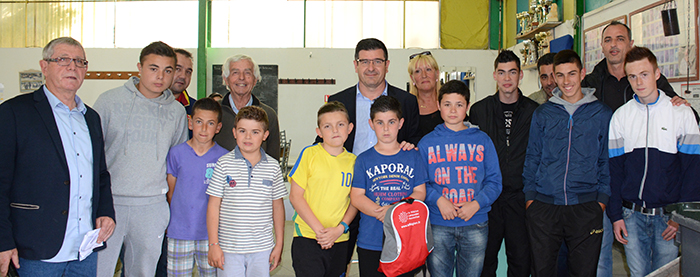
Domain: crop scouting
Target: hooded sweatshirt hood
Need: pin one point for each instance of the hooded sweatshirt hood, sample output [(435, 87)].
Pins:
[(138, 133), (588, 97)]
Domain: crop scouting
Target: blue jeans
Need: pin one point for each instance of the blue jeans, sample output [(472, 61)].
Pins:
[(86, 268), (469, 242), (646, 249), (605, 262)]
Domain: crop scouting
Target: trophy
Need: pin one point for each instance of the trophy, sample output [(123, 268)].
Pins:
[(553, 14), (524, 53), (542, 43), (541, 14), (534, 15), (532, 58), (521, 27)]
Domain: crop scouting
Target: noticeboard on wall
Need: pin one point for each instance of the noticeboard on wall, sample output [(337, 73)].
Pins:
[(675, 55), (30, 80), (592, 49)]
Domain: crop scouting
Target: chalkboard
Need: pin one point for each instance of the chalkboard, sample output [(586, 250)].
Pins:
[(266, 90)]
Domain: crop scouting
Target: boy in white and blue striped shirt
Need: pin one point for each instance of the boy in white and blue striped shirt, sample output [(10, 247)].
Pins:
[(245, 202)]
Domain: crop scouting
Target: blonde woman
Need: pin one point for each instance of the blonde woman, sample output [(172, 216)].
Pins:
[(425, 83)]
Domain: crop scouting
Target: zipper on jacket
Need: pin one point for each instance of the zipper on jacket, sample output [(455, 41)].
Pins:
[(568, 154), (646, 159)]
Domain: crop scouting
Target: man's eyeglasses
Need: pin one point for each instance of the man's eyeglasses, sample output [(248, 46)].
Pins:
[(427, 53), (366, 62), (64, 61)]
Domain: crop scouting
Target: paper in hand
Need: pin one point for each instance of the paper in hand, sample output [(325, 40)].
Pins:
[(89, 243)]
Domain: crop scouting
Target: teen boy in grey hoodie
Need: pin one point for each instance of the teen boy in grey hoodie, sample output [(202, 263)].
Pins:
[(141, 121)]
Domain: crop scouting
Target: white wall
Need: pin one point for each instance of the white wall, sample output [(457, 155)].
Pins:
[(298, 104), (100, 59)]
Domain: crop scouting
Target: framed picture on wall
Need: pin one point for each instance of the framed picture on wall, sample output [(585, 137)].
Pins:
[(30, 80), (677, 55), (592, 51)]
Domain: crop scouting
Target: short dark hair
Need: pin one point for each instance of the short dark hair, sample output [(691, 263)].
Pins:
[(253, 113), (546, 59), (454, 86), (384, 104), (159, 48), (640, 53), (506, 56), (567, 56), (215, 94), (183, 52), (370, 44), (616, 23), (333, 106), (208, 104)]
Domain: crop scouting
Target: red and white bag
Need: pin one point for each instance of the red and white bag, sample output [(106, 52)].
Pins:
[(408, 239)]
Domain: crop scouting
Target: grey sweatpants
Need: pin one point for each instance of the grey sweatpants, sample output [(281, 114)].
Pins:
[(140, 229)]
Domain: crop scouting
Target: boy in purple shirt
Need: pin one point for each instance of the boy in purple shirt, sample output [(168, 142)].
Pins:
[(190, 166)]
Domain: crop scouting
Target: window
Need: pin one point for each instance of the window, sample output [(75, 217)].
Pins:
[(132, 24), (235, 23), (329, 24)]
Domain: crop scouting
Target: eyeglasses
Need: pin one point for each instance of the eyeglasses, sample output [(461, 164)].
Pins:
[(366, 62), (427, 53), (63, 61)]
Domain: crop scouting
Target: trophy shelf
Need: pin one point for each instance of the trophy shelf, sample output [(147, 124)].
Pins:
[(530, 66), (544, 27)]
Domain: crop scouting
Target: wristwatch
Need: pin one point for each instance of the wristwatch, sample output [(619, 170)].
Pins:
[(347, 228)]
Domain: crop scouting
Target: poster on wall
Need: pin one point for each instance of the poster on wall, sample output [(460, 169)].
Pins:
[(677, 55), (30, 80), (592, 50)]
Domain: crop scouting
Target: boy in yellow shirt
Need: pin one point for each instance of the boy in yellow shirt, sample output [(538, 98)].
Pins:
[(320, 193)]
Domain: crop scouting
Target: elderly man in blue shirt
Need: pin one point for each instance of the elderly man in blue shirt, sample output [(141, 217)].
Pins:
[(54, 184)]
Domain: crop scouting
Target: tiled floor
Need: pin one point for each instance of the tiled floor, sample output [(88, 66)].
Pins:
[(286, 270)]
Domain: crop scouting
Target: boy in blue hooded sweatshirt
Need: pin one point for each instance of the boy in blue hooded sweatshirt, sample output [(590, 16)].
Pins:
[(464, 180)]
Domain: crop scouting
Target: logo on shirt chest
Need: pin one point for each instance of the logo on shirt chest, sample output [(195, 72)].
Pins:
[(231, 182)]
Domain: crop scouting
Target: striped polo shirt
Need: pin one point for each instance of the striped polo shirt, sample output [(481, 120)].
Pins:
[(245, 218)]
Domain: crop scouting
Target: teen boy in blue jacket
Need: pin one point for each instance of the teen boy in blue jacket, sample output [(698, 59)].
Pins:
[(566, 177)]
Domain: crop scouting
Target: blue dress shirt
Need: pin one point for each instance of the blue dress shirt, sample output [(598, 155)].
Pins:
[(77, 146), (233, 106), (365, 138)]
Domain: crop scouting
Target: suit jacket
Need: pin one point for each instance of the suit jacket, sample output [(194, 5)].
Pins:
[(228, 121), (409, 110), (34, 177)]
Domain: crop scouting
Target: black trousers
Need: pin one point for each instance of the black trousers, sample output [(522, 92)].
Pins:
[(507, 221), (579, 226), (308, 259)]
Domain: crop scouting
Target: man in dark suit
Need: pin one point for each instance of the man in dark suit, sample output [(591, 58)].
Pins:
[(54, 184), (372, 64)]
